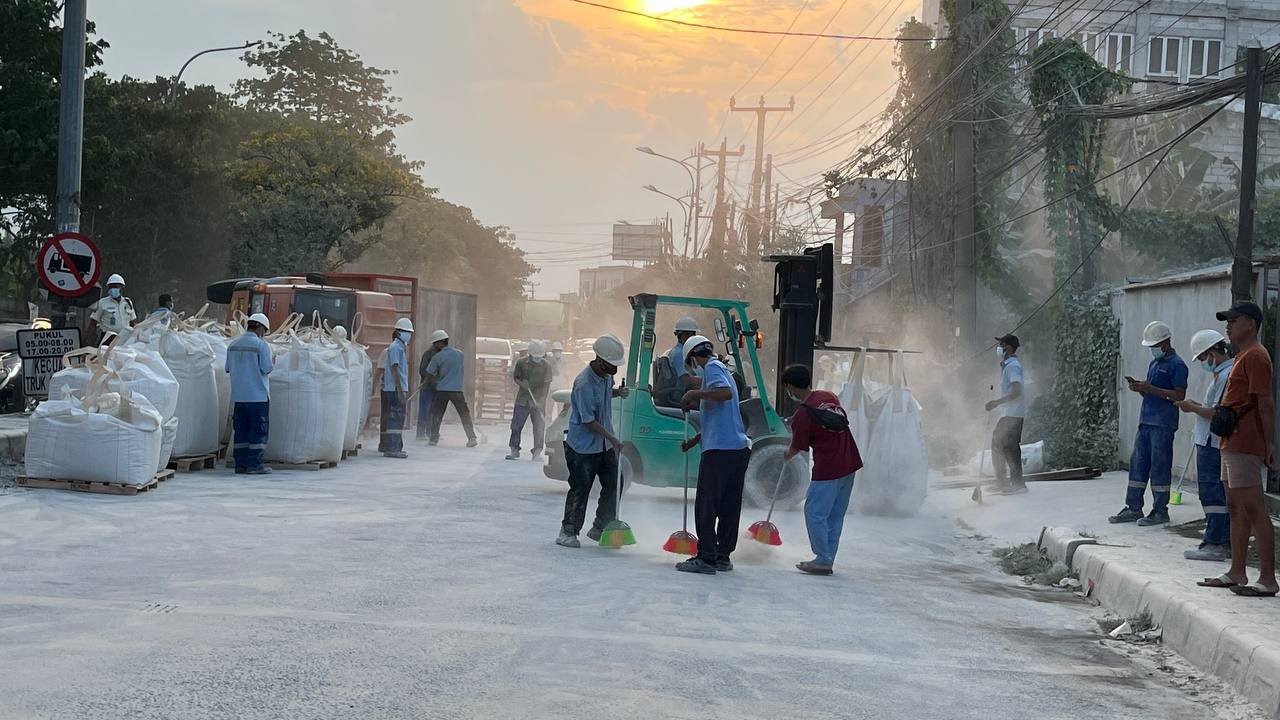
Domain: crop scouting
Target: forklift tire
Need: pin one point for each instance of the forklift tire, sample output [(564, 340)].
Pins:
[(762, 477)]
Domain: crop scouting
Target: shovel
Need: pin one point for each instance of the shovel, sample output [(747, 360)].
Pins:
[(683, 542), (617, 533), (764, 531), (1175, 497)]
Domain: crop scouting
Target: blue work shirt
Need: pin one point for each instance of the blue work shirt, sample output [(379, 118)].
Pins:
[(1200, 432), (676, 356), (591, 401), (249, 363), (448, 368), (1169, 373), (397, 354), (721, 419), (1010, 373)]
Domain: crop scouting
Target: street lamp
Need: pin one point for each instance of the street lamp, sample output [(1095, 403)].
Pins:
[(694, 185), (173, 92), (683, 208)]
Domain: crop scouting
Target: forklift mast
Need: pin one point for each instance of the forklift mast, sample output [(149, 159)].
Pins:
[(803, 292)]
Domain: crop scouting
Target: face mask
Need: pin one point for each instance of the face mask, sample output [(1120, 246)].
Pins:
[(1157, 353), (1207, 365), (113, 292), (1000, 352), (792, 396)]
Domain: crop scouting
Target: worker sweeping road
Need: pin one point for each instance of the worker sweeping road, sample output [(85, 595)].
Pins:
[(532, 376), (722, 470), (1006, 440), (113, 312), (590, 447), (820, 423), (447, 368), (426, 391), (395, 391), (249, 364)]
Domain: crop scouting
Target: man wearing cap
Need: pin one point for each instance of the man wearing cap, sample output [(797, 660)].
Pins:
[(113, 312), (1209, 349), (448, 368), (1247, 453), (249, 364), (1152, 457), (532, 376), (1006, 440), (590, 447)]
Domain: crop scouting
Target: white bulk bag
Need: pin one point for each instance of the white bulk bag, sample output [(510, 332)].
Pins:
[(310, 388), (218, 344), (106, 437), (190, 359), (896, 476), (358, 367), (168, 434), (137, 366)]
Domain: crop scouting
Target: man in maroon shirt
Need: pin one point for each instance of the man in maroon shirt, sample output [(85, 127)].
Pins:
[(835, 460)]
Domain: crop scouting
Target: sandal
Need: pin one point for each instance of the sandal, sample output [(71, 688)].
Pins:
[(1256, 590), (1222, 581)]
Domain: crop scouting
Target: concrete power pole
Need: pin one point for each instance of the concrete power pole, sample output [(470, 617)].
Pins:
[(1242, 264), (754, 215), (71, 115), (965, 294)]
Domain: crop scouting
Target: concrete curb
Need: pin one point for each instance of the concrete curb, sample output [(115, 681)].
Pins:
[(13, 444), (1207, 639)]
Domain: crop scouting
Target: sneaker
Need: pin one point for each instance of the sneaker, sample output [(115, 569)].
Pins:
[(724, 565), (1213, 553), (568, 539), (594, 534), (535, 455), (401, 455), (1013, 490), (433, 443), (1155, 518), (241, 471), (472, 442), (696, 565), (513, 455), (264, 470), (1125, 516), (811, 567)]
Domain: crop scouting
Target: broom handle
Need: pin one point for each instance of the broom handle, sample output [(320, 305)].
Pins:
[(622, 421), (1185, 465), (776, 487), (686, 472)]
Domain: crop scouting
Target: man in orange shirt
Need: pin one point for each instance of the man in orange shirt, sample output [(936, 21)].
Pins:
[(1247, 453)]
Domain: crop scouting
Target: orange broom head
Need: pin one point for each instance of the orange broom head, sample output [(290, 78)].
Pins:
[(764, 532), (616, 534), (681, 543)]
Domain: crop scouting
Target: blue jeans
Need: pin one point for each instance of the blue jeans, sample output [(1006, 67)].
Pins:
[(1213, 496), (249, 422), (1152, 459), (824, 507), (391, 439), (520, 414), (424, 412)]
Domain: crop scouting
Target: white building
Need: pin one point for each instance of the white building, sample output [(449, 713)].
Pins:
[(593, 282)]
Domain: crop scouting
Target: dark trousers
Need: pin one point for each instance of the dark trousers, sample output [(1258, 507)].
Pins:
[(392, 437), (249, 421), (439, 403), (584, 468), (717, 509), (1006, 451), (521, 413), (425, 396), (1213, 496), (1152, 458)]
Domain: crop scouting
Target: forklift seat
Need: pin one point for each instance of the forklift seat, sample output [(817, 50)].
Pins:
[(695, 417)]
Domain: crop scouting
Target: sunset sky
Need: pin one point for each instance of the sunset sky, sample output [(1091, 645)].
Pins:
[(528, 111)]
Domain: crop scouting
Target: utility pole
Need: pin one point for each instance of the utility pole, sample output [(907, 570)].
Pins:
[(71, 115), (719, 212), (766, 215), (757, 174), (1242, 265), (965, 292), (697, 199)]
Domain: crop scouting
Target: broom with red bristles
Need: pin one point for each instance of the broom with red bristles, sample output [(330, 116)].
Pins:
[(683, 542), (764, 531)]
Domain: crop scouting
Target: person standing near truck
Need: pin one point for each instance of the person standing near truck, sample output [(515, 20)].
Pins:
[(249, 364), (395, 391)]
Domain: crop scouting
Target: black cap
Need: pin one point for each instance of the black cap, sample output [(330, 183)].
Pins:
[(1243, 309), (1010, 339)]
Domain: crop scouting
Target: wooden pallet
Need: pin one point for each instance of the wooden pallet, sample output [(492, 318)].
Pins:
[(94, 487), (194, 463), (317, 465), (352, 453)]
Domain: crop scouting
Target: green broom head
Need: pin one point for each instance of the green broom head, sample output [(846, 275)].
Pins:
[(616, 534)]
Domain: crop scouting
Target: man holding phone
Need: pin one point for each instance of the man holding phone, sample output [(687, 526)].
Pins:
[(1152, 458)]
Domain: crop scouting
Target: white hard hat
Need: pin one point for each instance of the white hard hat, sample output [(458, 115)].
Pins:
[(694, 343), (687, 324), (537, 349), (609, 349), (115, 279), (404, 325), (339, 332), (1203, 340), (557, 345), (1155, 333), (439, 335), (261, 320)]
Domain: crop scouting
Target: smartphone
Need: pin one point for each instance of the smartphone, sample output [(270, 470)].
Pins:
[(1130, 380)]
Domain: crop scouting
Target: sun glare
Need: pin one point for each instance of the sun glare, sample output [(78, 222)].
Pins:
[(658, 7)]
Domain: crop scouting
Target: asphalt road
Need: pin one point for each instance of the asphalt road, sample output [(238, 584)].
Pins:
[(431, 588)]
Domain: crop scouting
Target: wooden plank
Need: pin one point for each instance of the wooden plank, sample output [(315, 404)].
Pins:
[(100, 488), (1081, 473), (194, 463)]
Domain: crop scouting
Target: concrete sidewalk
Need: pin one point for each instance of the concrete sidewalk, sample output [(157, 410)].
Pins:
[(13, 436), (1130, 570)]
